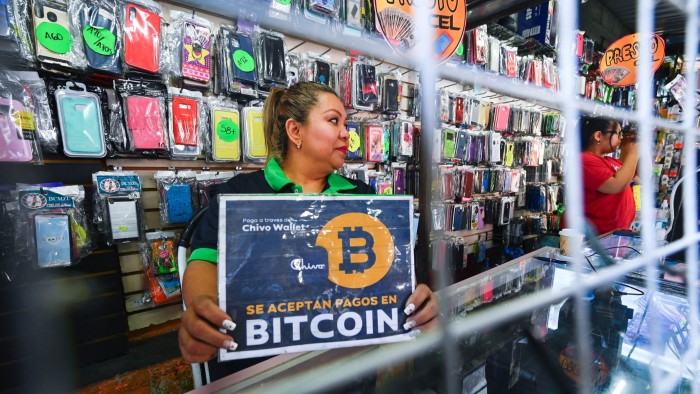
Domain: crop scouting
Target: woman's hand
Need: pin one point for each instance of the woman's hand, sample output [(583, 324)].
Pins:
[(199, 336), (422, 310)]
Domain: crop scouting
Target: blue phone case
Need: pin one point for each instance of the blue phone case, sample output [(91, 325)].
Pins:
[(81, 126), (52, 240), (179, 200), (5, 25), (90, 16), (240, 42)]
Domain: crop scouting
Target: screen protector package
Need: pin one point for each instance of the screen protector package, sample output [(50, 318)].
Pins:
[(185, 124), (118, 213), (95, 25), (272, 69), (178, 195), (54, 225), (80, 121), (46, 132), (206, 180), (237, 69), (223, 142), (15, 32), (144, 116), (141, 21), (254, 145), (364, 86), (18, 142), (55, 43), (160, 265), (188, 47), (356, 253)]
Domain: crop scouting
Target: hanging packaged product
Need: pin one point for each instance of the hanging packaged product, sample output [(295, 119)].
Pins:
[(391, 92), (56, 46), (271, 63), (206, 181), (236, 60), (95, 23), (143, 107), (315, 68), (43, 121), (354, 141), (18, 141), (345, 84), (80, 121), (118, 206), (224, 140), (160, 266), (185, 124), (188, 46), (141, 21), (177, 191), (293, 68), (398, 173), (374, 142), (15, 36), (364, 80), (52, 220), (254, 145)]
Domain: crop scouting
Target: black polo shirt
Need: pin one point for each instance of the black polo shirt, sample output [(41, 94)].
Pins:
[(271, 180)]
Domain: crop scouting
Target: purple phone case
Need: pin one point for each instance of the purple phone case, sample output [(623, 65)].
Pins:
[(12, 147), (196, 52)]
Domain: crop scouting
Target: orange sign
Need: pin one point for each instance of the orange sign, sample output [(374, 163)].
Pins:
[(619, 63), (448, 18)]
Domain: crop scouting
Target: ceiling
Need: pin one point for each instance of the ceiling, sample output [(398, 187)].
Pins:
[(669, 17)]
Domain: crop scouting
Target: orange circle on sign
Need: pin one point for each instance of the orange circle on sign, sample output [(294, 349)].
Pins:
[(618, 67), (360, 249)]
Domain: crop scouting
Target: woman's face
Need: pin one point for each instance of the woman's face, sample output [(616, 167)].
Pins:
[(325, 136), (613, 136)]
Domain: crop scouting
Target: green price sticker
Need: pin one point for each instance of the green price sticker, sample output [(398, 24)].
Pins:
[(100, 40), (123, 228), (284, 2), (460, 49), (54, 37), (227, 130), (243, 61), (388, 191), (354, 141)]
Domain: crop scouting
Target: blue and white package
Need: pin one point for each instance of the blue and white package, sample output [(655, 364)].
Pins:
[(337, 271)]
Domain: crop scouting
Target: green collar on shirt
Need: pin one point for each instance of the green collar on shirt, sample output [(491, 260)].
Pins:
[(277, 180)]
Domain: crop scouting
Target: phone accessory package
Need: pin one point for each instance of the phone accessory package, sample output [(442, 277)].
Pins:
[(144, 114), (142, 35), (374, 142), (364, 92), (178, 195), (18, 141), (254, 145), (15, 29), (80, 121), (96, 26), (118, 207), (185, 124), (390, 84), (189, 47), (224, 139), (354, 141), (52, 225), (237, 68), (272, 68), (55, 45), (45, 131), (159, 259), (206, 180)]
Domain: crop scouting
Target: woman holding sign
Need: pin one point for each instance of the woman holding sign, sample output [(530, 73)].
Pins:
[(307, 140)]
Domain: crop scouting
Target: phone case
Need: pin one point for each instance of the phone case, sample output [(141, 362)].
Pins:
[(323, 72), (390, 95), (144, 119), (448, 143), (178, 200), (13, 147), (80, 120), (184, 113), (366, 86), (141, 38), (123, 219), (500, 122), (5, 24), (354, 142), (459, 110), (53, 240), (274, 65), (374, 143), (254, 133), (101, 19), (243, 65), (226, 136), (196, 52), (46, 13)]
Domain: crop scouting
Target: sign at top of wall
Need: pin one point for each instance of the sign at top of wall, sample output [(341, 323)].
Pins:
[(448, 19), (619, 63)]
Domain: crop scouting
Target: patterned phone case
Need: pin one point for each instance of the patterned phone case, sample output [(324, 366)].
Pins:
[(196, 52)]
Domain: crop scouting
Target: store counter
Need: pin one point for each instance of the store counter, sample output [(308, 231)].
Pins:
[(533, 351)]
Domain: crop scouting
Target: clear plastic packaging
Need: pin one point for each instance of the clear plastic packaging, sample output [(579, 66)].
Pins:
[(56, 45), (177, 191), (237, 69), (54, 225), (364, 82), (141, 21), (143, 105), (18, 142), (95, 25), (15, 36), (254, 145), (272, 68), (45, 130), (224, 137), (118, 214), (206, 180), (355, 139), (159, 259), (374, 142), (390, 84), (80, 121), (188, 44), (185, 124)]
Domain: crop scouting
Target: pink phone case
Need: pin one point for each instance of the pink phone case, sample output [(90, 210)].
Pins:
[(501, 118), (12, 147), (145, 121)]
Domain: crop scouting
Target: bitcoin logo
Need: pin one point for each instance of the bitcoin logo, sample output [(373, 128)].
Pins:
[(360, 249)]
